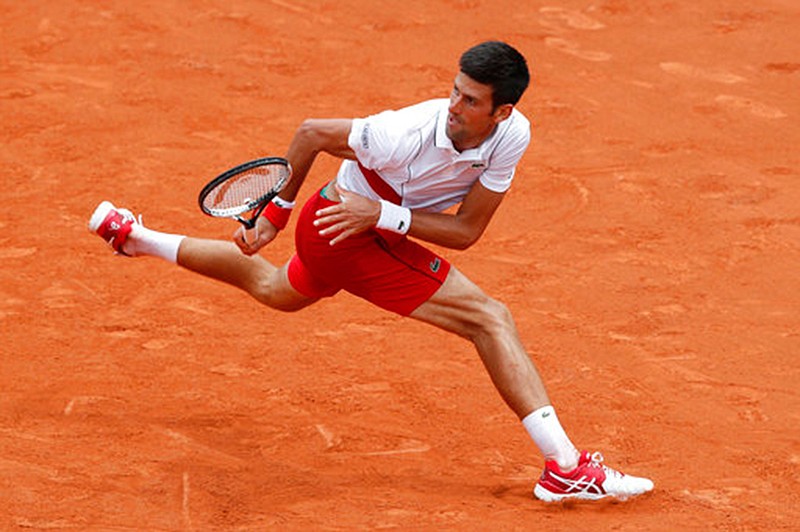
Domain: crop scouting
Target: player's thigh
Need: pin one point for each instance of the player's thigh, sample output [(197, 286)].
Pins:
[(459, 306)]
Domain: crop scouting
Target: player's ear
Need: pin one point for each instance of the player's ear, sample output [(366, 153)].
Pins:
[(502, 112)]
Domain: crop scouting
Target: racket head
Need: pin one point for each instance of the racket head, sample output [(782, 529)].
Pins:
[(246, 187)]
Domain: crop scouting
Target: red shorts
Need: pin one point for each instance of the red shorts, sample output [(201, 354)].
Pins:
[(386, 269)]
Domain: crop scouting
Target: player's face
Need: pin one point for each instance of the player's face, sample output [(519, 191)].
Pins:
[(472, 117)]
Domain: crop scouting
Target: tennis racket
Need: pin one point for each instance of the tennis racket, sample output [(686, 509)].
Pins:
[(246, 188)]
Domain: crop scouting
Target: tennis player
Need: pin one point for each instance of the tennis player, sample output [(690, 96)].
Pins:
[(401, 170)]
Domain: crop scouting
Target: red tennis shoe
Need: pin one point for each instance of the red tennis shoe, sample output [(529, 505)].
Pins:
[(590, 480), (112, 225)]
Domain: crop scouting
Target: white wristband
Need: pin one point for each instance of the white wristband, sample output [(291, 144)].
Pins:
[(282, 203), (394, 218)]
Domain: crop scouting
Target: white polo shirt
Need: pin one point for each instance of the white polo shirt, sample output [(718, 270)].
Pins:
[(411, 152)]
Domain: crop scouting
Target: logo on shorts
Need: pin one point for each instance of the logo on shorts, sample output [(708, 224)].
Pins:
[(435, 265)]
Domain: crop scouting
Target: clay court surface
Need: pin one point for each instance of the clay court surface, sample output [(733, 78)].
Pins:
[(649, 250)]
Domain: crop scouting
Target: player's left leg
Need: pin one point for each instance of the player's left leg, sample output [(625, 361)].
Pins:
[(459, 306)]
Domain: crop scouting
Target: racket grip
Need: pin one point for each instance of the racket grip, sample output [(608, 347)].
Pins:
[(250, 234)]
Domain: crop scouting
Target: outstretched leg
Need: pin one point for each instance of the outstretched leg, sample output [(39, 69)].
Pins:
[(255, 275), (459, 306), (216, 259)]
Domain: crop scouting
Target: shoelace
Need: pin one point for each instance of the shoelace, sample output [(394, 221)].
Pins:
[(597, 461), (137, 219), (128, 215)]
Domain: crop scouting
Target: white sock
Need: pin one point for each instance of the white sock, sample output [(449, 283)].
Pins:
[(144, 241), (549, 436)]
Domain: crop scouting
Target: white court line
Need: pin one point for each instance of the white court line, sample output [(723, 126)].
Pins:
[(187, 519), (330, 439), (422, 448)]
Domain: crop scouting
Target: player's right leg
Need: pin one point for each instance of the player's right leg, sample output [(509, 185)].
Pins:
[(255, 275), (216, 259)]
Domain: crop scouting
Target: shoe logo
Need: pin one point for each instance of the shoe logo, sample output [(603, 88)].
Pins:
[(435, 264), (114, 226), (578, 485), (545, 414)]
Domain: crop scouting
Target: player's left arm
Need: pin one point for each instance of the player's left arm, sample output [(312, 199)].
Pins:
[(457, 231), (462, 229)]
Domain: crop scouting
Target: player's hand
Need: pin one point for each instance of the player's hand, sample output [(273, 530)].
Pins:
[(353, 214), (252, 240)]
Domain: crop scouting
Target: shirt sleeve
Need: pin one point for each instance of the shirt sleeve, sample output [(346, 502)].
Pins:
[(383, 140), (509, 151)]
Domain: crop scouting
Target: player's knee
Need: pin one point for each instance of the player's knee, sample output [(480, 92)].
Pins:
[(494, 319), (268, 297), (501, 319), (273, 291), (263, 290)]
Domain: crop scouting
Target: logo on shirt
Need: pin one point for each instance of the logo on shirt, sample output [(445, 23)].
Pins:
[(478, 165), (365, 137), (435, 265)]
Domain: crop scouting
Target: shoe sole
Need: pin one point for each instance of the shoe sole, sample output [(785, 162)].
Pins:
[(543, 494), (99, 215), (546, 495)]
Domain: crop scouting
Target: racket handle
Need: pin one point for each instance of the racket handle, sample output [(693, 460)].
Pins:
[(250, 232)]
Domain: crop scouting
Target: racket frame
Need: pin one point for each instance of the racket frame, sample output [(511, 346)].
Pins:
[(257, 205)]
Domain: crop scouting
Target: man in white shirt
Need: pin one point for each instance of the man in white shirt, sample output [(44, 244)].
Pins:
[(401, 169)]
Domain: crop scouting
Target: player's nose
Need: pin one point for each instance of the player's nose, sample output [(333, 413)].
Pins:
[(455, 105)]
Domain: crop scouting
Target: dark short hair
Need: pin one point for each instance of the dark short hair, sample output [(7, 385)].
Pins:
[(499, 65)]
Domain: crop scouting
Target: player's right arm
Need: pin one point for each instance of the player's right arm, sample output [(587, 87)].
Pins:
[(312, 137)]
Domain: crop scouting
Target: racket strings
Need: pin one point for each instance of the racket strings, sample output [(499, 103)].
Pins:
[(246, 190)]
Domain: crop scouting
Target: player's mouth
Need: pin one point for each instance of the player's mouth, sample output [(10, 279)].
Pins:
[(454, 123)]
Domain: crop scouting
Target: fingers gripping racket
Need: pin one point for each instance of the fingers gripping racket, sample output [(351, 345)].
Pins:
[(248, 187)]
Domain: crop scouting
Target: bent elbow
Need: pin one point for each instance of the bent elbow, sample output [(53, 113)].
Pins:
[(325, 134), (465, 241), (309, 132)]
